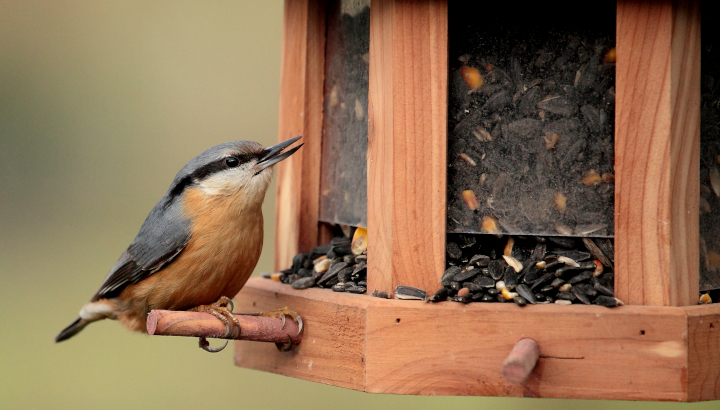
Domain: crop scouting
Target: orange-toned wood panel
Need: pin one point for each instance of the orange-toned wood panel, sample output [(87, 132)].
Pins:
[(657, 140), (333, 347), (301, 99), (704, 352), (586, 352), (411, 347), (407, 162)]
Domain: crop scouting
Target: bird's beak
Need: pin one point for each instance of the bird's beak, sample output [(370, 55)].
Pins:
[(272, 155)]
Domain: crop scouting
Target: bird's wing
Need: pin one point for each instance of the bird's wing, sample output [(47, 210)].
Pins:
[(162, 236)]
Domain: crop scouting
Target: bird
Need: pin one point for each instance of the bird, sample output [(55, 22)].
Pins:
[(198, 246)]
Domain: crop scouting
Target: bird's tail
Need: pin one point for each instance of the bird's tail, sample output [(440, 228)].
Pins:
[(92, 312), (70, 331)]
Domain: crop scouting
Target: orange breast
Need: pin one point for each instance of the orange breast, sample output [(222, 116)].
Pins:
[(226, 242)]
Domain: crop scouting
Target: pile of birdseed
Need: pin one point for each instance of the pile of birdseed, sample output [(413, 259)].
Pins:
[(340, 265), (529, 269), (480, 268)]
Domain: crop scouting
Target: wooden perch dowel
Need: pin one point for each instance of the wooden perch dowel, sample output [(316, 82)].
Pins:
[(200, 324), (521, 361)]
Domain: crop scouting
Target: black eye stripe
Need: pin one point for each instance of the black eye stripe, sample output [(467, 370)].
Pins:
[(243, 158), (219, 165), (207, 170)]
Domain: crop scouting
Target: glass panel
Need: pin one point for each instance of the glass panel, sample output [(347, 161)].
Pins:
[(709, 155), (531, 153), (343, 186), (531, 119)]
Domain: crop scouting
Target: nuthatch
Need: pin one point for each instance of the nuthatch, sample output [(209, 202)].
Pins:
[(198, 246)]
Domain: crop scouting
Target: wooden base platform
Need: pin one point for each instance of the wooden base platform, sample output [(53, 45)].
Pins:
[(411, 347)]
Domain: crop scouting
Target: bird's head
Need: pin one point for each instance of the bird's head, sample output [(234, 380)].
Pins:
[(235, 168)]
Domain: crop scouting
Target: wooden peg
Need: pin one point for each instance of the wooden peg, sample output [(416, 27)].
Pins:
[(521, 361), (199, 324)]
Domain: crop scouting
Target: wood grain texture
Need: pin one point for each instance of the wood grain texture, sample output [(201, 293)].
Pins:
[(407, 163), (301, 109), (704, 352), (586, 352), (657, 140), (201, 324), (411, 347), (332, 350)]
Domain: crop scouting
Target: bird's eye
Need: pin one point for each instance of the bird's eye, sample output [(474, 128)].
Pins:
[(232, 162)]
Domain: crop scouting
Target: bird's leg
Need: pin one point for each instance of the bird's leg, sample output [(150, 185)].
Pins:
[(280, 314), (222, 309)]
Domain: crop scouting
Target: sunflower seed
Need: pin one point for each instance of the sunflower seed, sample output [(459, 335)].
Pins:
[(440, 295), (480, 260), (453, 250), (511, 278), (449, 274), (595, 250), (339, 287), (466, 273), (525, 292), (304, 283), (520, 301), (566, 296), (602, 289), (582, 276), (607, 301), (409, 293), (496, 268), (580, 294)]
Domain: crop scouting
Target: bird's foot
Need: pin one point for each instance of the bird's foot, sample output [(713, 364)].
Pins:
[(222, 309), (281, 314)]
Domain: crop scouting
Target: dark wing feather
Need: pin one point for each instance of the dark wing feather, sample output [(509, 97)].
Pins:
[(162, 236)]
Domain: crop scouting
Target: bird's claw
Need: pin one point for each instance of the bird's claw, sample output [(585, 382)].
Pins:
[(205, 345), (295, 317), (222, 309), (281, 314), (285, 347)]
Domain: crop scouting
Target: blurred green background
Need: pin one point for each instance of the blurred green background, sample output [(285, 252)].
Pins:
[(101, 103)]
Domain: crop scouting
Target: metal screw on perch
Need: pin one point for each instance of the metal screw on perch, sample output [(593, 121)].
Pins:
[(521, 361)]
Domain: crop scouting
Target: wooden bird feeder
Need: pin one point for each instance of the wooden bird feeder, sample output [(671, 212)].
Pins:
[(661, 345)]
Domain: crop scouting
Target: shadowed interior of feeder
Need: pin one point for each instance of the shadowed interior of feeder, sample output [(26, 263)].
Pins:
[(343, 185), (531, 120), (709, 154)]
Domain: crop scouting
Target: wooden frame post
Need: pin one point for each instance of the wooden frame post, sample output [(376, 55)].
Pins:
[(657, 145), (407, 142), (301, 113)]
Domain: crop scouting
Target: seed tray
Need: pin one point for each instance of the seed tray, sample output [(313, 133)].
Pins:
[(413, 347)]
